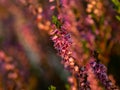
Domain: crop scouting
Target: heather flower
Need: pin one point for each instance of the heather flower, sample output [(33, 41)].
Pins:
[(101, 73), (10, 73), (62, 43), (94, 83), (95, 7), (84, 84)]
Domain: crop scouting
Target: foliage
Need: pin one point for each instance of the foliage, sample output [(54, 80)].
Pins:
[(52, 87)]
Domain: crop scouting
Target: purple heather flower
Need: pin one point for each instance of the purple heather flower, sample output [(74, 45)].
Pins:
[(62, 43), (84, 84), (101, 73)]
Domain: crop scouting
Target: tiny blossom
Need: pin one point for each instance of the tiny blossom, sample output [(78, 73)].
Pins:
[(51, 0), (52, 7), (72, 83)]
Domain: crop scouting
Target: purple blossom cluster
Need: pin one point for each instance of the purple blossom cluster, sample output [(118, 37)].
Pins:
[(62, 43), (100, 72), (84, 84), (10, 75)]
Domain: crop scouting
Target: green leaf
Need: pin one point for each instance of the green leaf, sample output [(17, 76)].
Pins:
[(56, 21), (52, 87), (67, 86), (117, 5), (116, 2), (118, 17)]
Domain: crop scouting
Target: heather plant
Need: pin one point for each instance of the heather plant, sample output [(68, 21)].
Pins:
[(65, 43), (56, 40), (11, 75)]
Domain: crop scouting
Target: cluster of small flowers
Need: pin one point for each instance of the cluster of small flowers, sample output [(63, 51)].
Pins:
[(84, 84), (96, 7), (36, 10), (82, 77), (100, 71), (94, 82), (62, 43), (11, 75)]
